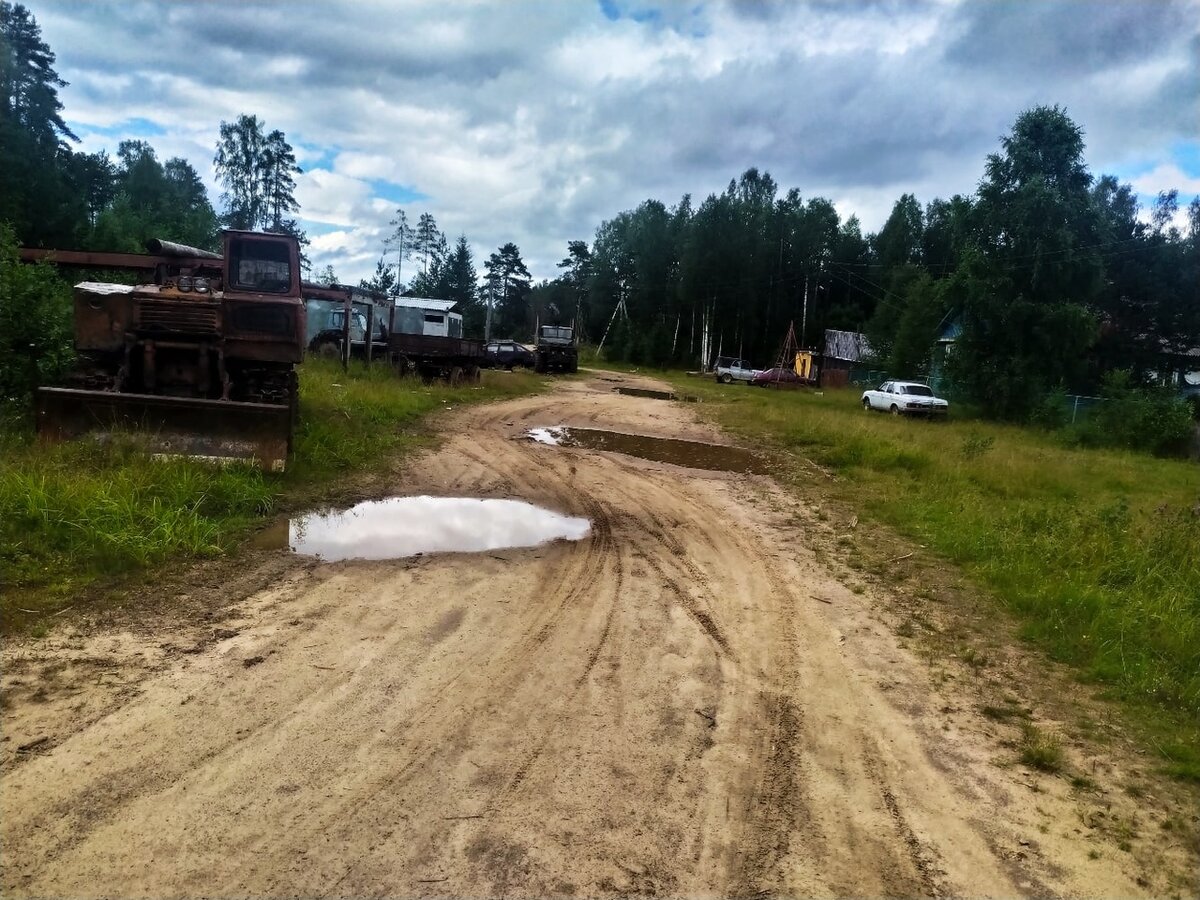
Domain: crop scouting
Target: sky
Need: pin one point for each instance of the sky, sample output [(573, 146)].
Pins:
[(532, 122)]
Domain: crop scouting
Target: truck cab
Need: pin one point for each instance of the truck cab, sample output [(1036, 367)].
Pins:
[(556, 350)]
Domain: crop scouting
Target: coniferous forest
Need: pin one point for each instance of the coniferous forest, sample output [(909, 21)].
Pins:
[(1051, 276)]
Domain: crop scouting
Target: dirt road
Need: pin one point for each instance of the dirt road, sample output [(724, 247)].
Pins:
[(687, 702)]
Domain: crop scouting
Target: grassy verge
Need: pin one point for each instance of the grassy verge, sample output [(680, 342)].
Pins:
[(1096, 552), (78, 512)]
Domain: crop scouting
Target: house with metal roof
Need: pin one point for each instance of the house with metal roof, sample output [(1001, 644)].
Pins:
[(425, 315)]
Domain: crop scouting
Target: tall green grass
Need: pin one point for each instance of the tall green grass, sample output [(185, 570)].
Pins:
[(74, 512), (1097, 552)]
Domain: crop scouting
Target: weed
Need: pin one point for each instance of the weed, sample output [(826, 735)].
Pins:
[(906, 629), (1082, 783), (1093, 854), (1003, 713), (974, 445), (973, 658), (1040, 749)]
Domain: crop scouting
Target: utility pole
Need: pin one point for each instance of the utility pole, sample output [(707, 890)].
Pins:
[(487, 328), (400, 262), (804, 320)]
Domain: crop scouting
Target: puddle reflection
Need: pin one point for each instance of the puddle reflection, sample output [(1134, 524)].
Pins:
[(655, 395), (405, 526), (690, 454)]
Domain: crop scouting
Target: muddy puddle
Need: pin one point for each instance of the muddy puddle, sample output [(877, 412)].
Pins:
[(408, 526), (689, 454), (655, 395)]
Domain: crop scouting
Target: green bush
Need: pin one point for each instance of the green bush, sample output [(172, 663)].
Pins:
[(36, 345), (1051, 411), (1151, 419)]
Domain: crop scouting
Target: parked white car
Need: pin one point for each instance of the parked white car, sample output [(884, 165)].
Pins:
[(905, 398), (730, 369)]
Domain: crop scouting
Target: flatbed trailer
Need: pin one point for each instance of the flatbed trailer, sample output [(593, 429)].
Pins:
[(455, 360)]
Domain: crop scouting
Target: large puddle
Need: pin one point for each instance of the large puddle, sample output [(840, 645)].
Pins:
[(655, 395), (407, 526), (689, 454)]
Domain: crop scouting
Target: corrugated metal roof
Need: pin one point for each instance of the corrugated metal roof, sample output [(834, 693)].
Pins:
[(846, 345), (426, 303), (101, 287)]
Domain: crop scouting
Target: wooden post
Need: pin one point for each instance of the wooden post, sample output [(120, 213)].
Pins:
[(349, 309), (370, 329)]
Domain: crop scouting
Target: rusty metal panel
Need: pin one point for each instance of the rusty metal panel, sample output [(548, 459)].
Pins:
[(103, 313), (421, 345), (220, 430), (94, 259), (177, 316)]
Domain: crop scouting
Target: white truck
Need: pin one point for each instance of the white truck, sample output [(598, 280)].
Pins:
[(730, 369), (905, 398)]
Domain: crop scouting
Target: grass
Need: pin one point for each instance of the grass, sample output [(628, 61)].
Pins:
[(1040, 749), (1096, 552), (77, 512)]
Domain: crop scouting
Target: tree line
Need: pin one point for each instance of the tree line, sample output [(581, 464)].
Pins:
[(52, 195), (496, 305), (1049, 276)]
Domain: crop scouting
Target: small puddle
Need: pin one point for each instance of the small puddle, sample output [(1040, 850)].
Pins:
[(655, 395), (406, 526), (689, 454)]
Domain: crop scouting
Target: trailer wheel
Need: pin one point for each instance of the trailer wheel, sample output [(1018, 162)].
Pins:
[(329, 350), (474, 375), (456, 376), (400, 364)]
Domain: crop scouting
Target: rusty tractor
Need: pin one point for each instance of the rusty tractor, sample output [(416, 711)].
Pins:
[(199, 362)]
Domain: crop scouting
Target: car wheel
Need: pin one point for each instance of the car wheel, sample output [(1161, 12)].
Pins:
[(895, 410), (725, 379), (866, 405)]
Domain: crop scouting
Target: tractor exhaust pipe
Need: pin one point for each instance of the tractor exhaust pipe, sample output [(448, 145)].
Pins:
[(170, 248)]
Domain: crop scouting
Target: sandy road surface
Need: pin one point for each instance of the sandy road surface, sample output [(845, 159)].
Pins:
[(665, 707)]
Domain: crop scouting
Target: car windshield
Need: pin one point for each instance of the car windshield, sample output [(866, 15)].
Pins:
[(918, 390)]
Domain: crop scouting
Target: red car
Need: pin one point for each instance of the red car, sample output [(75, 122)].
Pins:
[(779, 377)]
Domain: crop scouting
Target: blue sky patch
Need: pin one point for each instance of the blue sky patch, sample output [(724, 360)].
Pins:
[(397, 194), (127, 129)]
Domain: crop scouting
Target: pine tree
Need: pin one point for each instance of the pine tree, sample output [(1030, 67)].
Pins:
[(240, 166), (28, 83), (38, 195), (425, 244), (279, 186), (401, 241), (383, 281), (510, 280)]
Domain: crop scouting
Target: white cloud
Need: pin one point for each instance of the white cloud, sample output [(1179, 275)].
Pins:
[(531, 121), (1164, 178)]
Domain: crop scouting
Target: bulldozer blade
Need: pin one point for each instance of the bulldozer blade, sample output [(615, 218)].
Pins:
[(218, 430)]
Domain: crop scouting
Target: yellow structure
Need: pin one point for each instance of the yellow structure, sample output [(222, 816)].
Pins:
[(804, 364)]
